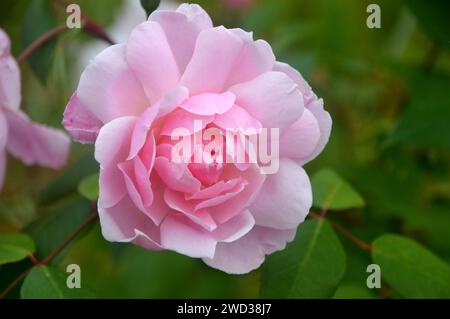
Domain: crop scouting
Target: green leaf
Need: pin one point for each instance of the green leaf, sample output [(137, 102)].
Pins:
[(411, 269), (89, 187), (149, 6), (433, 16), (45, 282), (310, 267), (353, 291), (39, 19), (57, 223), (15, 247), (330, 191), (425, 120)]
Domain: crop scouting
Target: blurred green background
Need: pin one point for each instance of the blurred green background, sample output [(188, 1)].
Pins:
[(386, 89)]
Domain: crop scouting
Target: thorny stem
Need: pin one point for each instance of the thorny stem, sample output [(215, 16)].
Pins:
[(92, 217)]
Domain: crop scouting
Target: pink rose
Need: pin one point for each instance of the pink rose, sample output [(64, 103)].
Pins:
[(176, 71), (30, 142)]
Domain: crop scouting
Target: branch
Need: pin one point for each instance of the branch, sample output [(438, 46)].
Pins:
[(47, 36), (89, 26), (359, 242), (92, 217)]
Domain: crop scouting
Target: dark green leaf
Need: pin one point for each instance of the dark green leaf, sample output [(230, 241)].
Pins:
[(425, 120), (433, 16), (57, 223), (89, 187), (353, 291), (15, 247), (37, 21), (310, 267), (149, 6), (411, 269), (330, 191), (45, 282)]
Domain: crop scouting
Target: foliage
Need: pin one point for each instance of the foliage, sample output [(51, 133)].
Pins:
[(383, 177)]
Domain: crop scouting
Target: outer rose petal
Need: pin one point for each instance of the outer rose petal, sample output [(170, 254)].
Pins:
[(108, 87), (3, 139), (9, 84), (124, 223), (2, 168), (9, 76), (5, 45), (304, 87), (180, 234), (113, 141), (3, 131), (313, 104), (149, 55), (82, 125), (255, 58), (285, 198), (204, 74), (272, 98), (300, 140), (325, 123), (36, 144), (112, 147), (248, 253), (182, 28)]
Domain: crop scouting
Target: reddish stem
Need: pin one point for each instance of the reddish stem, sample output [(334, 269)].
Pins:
[(359, 242), (52, 255)]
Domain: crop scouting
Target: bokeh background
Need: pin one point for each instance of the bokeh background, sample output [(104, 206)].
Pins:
[(386, 89)]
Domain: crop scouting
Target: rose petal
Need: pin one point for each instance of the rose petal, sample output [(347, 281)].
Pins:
[(272, 98), (3, 139), (125, 223), (308, 94), (248, 252), (149, 55), (177, 202), (300, 140), (181, 119), (244, 199), (176, 176), (325, 123), (285, 199), (203, 73), (10, 96), (108, 87), (33, 143), (181, 28), (237, 118), (255, 58), (180, 234), (82, 125), (209, 103), (235, 228), (113, 141)]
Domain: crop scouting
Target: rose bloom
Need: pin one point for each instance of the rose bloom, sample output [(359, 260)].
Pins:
[(176, 68), (30, 142)]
